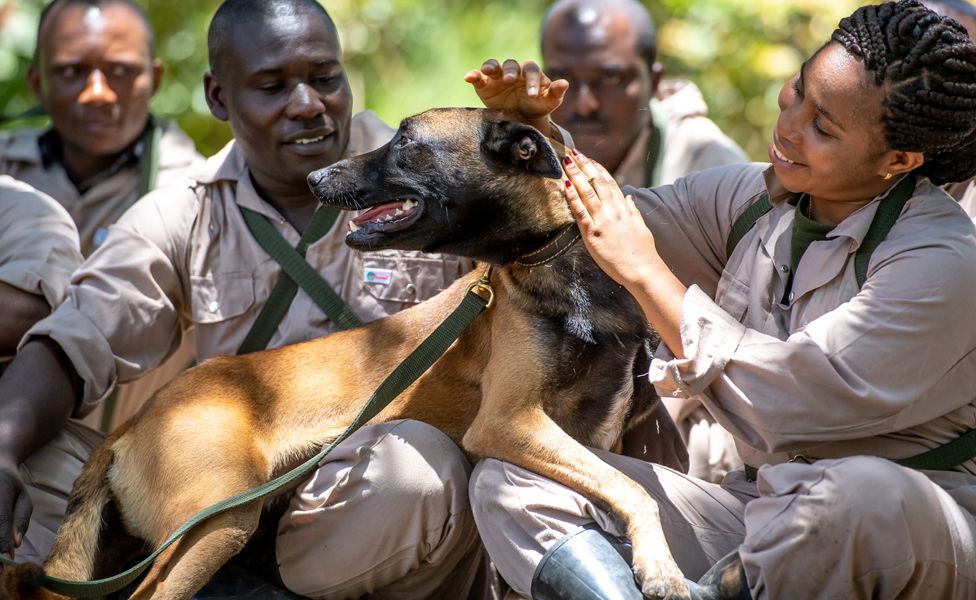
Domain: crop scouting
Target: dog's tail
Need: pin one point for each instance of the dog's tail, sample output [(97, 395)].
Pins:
[(77, 542)]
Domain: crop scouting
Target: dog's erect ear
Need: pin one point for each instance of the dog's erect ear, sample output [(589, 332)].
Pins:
[(510, 142)]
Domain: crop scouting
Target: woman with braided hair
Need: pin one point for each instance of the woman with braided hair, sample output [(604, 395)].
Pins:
[(821, 308)]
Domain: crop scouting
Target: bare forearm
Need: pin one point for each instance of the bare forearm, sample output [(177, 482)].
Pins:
[(660, 295), (38, 392), (20, 311)]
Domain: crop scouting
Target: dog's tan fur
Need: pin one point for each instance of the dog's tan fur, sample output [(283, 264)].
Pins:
[(243, 420)]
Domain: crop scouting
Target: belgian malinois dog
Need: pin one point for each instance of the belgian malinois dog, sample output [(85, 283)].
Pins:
[(547, 369)]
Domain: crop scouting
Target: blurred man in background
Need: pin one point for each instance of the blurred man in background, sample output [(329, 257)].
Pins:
[(94, 73), (646, 132)]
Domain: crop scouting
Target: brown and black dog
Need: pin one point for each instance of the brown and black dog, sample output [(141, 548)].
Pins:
[(547, 369)]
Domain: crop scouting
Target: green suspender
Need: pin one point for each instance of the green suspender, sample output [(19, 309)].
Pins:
[(941, 458), (478, 297), (746, 221), (296, 272), (149, 160)]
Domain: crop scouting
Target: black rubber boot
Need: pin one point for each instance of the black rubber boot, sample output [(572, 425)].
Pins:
[(726, 580), (586, 565)]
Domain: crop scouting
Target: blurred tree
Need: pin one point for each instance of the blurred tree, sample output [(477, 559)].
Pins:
[(404, 56)]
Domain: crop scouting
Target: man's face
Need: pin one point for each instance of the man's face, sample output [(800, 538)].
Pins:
[(282, 87), (95, 76), (606, 106)]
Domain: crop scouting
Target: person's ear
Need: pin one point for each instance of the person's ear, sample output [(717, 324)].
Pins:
[(657, 72), (157, 75), (34, 81), (899, 162), (214, 93)]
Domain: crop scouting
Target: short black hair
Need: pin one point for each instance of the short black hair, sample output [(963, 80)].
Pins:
[(50, 8), (926, 65), (235, 12), (646, 43)]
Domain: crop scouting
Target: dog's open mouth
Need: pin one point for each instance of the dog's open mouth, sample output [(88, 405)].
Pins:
[(385, 218)]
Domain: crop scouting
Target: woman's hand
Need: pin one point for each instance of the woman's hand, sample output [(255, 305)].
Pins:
[(611, 225), (617, 238), (522, 90)]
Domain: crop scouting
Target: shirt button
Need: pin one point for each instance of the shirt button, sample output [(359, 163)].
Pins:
[(792, 295), (410, 290), (784, 268), (213, 306)]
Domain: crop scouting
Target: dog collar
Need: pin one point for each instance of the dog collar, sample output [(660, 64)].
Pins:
[(563, 241)]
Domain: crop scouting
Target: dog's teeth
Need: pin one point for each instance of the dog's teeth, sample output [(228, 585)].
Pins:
[(397, 212), (352, 227), (408, 204)]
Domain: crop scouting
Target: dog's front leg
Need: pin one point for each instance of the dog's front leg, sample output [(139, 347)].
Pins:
[(533, 441)]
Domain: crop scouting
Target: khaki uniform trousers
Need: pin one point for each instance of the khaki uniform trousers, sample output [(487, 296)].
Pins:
[(386, 514), (858, 527)]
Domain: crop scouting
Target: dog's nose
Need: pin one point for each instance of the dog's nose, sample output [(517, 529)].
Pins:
[(316, 177)]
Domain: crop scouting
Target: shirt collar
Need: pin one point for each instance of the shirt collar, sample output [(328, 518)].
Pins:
[(855, 226), (51, 150)]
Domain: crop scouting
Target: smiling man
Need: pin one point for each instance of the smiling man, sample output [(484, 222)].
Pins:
[(392, 497)]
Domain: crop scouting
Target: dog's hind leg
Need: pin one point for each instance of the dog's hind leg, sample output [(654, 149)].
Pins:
[(187, 565)]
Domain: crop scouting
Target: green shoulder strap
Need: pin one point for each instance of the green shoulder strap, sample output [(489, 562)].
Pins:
[(655, 144), (296, 272), (746, 221), (884, 219), (149, 160), (478, 297), (888, 212)]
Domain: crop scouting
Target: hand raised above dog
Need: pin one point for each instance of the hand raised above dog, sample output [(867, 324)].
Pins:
[(521, 89)]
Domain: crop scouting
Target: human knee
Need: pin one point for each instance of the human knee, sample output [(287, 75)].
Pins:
[(424, 458), (862, 492), (488, 487)]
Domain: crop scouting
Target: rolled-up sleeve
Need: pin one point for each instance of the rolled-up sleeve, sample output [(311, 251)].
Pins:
[(709, 337), (123, 315), (38, 242)]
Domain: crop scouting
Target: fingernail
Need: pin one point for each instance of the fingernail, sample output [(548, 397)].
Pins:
[(567, 160), (575, 153), (531, 90), (569, 183)]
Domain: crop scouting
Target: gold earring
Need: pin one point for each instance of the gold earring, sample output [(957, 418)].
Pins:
[(887, 176)]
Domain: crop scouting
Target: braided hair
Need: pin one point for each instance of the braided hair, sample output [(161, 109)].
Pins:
[(927, 65)]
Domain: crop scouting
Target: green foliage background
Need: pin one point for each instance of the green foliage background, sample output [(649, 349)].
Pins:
[(404, 56)]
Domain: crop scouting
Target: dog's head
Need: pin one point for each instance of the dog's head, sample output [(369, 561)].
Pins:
[(457, 180)]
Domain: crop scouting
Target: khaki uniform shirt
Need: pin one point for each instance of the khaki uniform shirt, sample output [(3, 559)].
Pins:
[(95, 209), (183, 256), (691, 141), (889, 370), (965, 193)]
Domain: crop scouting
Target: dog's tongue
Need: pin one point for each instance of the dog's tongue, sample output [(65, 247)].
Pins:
[(385, 212), (378, 212)]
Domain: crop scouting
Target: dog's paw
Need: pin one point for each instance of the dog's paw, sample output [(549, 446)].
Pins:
[(661, 579)]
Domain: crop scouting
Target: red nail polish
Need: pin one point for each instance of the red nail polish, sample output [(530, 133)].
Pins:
[(575, 153), (569, 183), (567, 160)]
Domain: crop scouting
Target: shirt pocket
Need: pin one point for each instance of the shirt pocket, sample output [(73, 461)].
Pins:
[(221, 296), (408, 278), (733, 296)]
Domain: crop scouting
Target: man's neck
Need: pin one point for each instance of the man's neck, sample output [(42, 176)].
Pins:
[(296, 206)]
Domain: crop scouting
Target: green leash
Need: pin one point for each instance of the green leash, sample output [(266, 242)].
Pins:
[(478, 297)]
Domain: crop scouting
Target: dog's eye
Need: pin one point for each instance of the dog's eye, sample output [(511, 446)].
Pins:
[(403, 141)]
